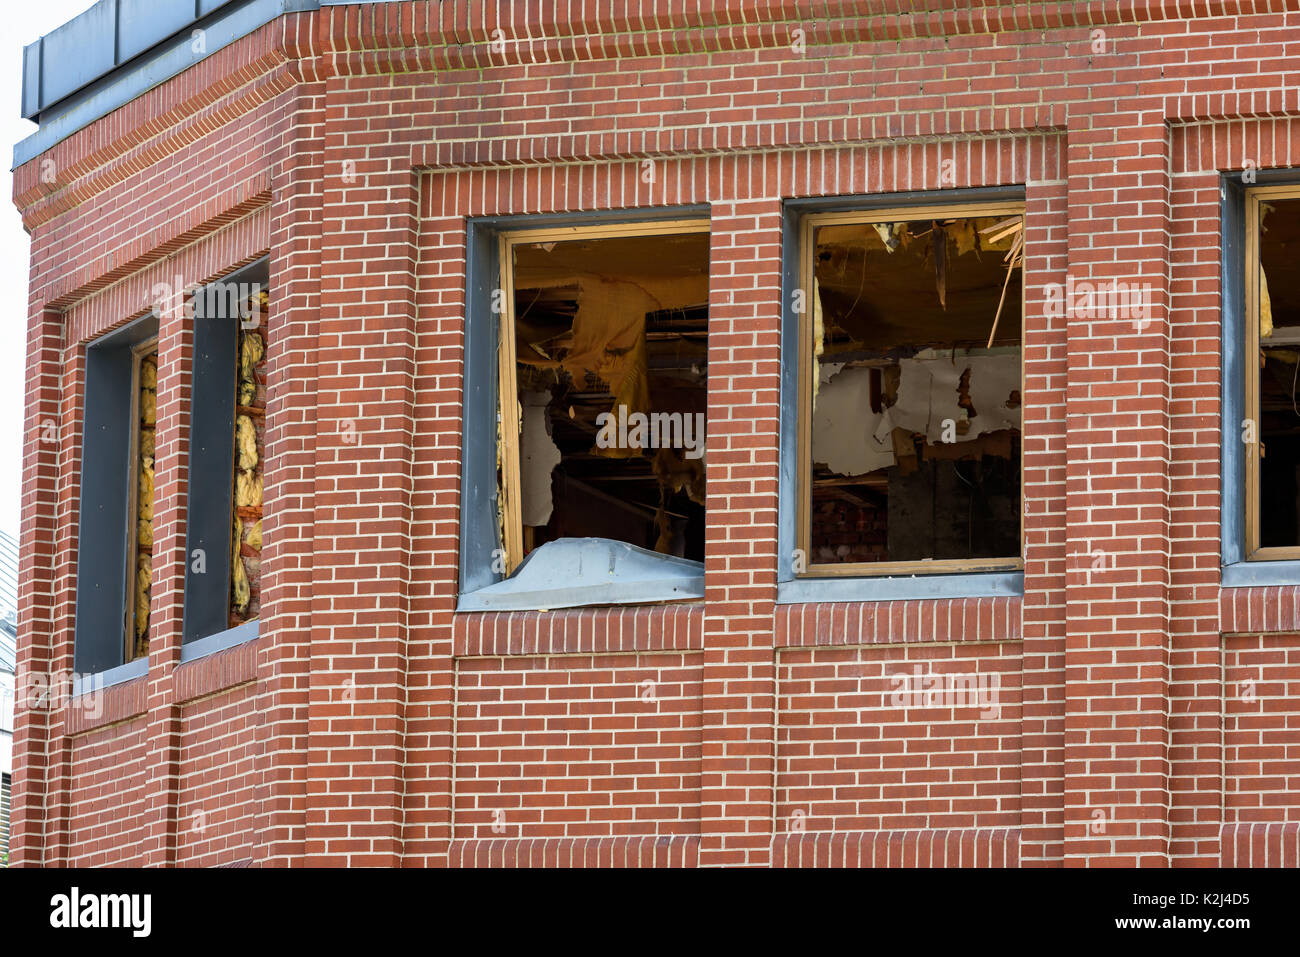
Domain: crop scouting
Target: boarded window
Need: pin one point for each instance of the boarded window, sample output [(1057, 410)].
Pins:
[(604, 373), (913, 392)]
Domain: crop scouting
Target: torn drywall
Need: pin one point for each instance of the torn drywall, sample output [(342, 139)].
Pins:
[(847, 435), (538, 456)]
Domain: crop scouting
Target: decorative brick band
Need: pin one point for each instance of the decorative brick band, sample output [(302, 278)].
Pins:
[(1271, 141), (98, 709), (1253, 611), (461, 34), (216, 672), (985, 847), (580, 631), (646, 850), (1260, 844), (978, 134), (213, 248), (893, 622)]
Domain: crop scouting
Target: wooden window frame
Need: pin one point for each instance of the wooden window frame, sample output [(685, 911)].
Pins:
[(803, 526), (507, 386), (1255, 195), (138, 353)]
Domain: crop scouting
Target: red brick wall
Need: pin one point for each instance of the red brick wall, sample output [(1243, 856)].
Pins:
[(369, 723), (217, 792)]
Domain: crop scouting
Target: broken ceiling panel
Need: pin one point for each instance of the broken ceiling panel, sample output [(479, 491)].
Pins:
[(931, 390), (845, 428)]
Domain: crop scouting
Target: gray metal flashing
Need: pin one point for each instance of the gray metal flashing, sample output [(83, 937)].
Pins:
[(202, 647), (579, 572), (1259, 574), (111, 54), (121, 674), (790, 588), (897, 588)]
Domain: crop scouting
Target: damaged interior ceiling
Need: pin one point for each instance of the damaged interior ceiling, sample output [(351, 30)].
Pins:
[(607, 329), (1279, 367), (916, 414)]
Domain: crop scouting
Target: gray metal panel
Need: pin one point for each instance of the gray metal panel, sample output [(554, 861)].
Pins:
[(580, 572), (478, 481), (103, 520), (31, 98), (788, 457), (142, 24), (211, 465), (64, 99), (981, 585), (78, 53)]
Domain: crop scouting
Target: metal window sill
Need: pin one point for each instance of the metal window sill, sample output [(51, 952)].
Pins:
[(202, 647), (901, 587), (585, 572), (1261, 574), (119, 674)]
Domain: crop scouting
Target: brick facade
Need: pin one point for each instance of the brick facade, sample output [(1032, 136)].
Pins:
[(1146, 715)]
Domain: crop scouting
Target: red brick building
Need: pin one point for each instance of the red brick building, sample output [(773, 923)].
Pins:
[(265, 615)]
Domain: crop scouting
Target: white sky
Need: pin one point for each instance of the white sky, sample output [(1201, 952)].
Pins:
[(23, 24)]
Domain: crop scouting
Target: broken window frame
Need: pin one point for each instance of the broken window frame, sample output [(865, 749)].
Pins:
[(1253, 198), (507, 385), (809, 224)]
